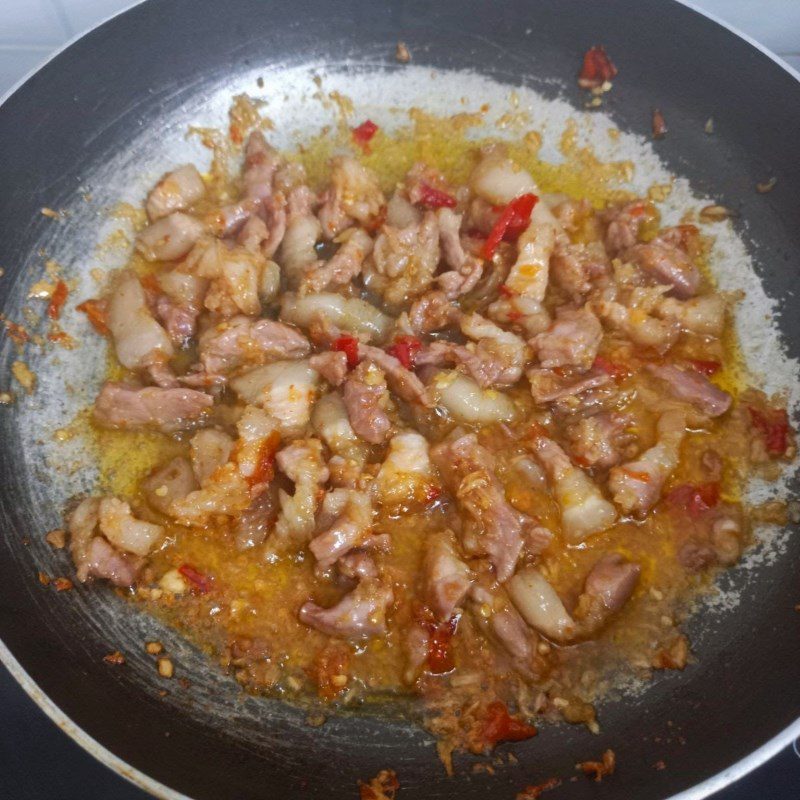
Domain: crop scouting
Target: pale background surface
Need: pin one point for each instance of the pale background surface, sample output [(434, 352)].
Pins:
[(32, 29), (36, 760)]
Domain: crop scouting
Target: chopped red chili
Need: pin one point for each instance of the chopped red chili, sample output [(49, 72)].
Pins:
[(57, 300), (695, 499), (405, 349), (597, 68), (435, 198), (707, 368), (97, 313), (773, 424), (500, 726), (513, 220), (364, 133), (349, 346), (200, 582)]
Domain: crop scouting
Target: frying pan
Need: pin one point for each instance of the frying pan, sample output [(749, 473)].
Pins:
[(103, 101)]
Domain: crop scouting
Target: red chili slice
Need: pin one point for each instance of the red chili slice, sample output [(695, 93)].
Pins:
[(513, 220), (57, 300), (405, 349), (435, 198), (707, 368), (202, 583), (773, 424), (597, 68), (349, 346), (500, 726), (695, 499), (364, 132), (97, 314)]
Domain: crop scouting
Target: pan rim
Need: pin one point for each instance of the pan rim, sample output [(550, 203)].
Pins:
[(140, 779)]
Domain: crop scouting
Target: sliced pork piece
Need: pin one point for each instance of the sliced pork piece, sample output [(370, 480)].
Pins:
[(261, 161), (169, 483), (303, 231), (539, 604), (361, 614), (504, 351), (331, 365), (467, 469), (366, 397), (170, 237), (406, 476), (351, 314), (548, 386), (694, 388), (634, 320), (121, 405), (599, 440), (576, 268), (302, 462), (354, 194), (256, 521), (343, 267), (571, 341), (584, 510), (244, 340), (430, 312), (704, 315), (624, 222), (465, 270), (349, 529), (447, 577), (403, 382), (466, 402), (210, 449), (139, 340), (404, 261), (117, 523), (498, 180), (178, 308), (612, 580), (666, 265), (332, 424), (176, 191), (637, 485)]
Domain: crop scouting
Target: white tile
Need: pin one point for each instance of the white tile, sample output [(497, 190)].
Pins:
[(31, 22), (774, 23), (85, 14), (18, 61)]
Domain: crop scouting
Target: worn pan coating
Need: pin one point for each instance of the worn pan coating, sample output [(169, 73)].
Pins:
[(736, 706)]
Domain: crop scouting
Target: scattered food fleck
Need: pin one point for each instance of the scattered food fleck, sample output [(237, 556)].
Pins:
[(6, 398), (260, 82), (116, 658), (44, 579), (153, 648), (165, 668), (709, 126), (402, 53), (534, 792), (62, 584), (57, 300), (48, 212), (659, 124), (41, 290), (597, 70), (659, 765), (383, 786), (57, 538), (599, 769), (184, 683), (715, 213), (26, 379), (16, 332), (766, 186)]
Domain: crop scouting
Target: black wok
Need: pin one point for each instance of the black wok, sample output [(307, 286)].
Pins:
[(104, 95)]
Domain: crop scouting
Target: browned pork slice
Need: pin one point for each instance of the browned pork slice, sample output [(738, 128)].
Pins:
[(354, 194), (332, 365), (571, 341), (694, 388), (623, 223), (343, 267), (176, 191), (357, 565), (666, 265), (576, 268), (447, 577), (599, 440), (361, 614), (180, 304), (465, 270), (121, 405), (241, 340), (350, 527), (612, 581), (170, 238), (403, 382), (430, 312), (261, 161), (467, 469), (548, 386), (366, 396)]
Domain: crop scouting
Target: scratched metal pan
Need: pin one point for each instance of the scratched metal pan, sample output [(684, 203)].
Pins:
[(112, 109)]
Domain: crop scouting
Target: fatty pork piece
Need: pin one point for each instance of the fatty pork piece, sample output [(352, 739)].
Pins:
[(467, 470), (169, 483), (403, 382), (108, 542), (180, 304), (464, 400), (331, 365), (286, 390), (572, 340), (693, 388), (607, 588), (343, 266), (465, 270), (406, 478), (600, 440), (361, 614), (636, 485), (244, 340), (176, 191), (667, 265), (634, 318), (297, 251), (350, 314), (345, 522), (404, 261), (584, 510), (354, 195), (331, 423), (366, 398), (302, 462), (447, 578), (170, 238), (704, 315)]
